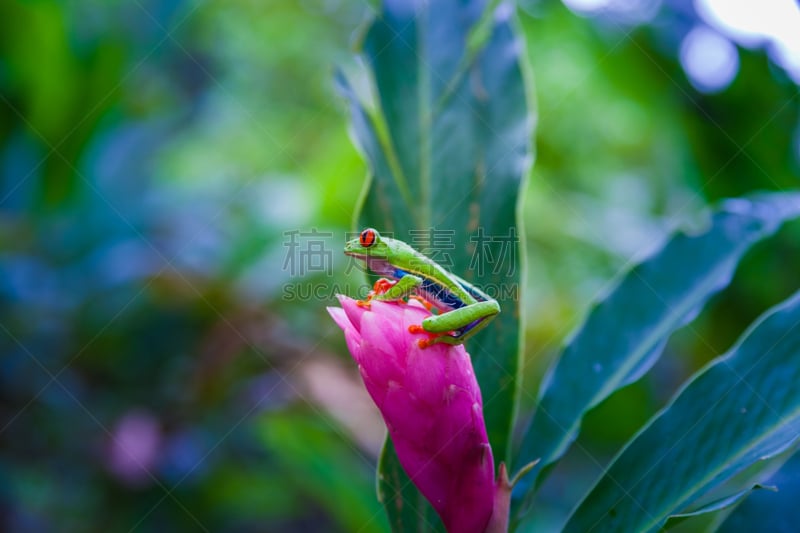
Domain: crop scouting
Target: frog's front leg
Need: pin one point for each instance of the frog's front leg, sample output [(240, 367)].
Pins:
[(463, 322), (404, 287)]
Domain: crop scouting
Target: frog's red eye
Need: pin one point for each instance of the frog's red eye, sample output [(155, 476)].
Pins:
[(368, 237)]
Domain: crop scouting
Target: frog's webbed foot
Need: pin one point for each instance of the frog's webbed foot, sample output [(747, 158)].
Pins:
[(432, 339), (379, 287), (382, 285)]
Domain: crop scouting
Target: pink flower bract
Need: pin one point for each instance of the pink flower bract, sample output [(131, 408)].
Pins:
[(432, 406)]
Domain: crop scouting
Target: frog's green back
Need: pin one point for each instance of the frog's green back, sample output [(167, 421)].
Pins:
[(417, 263)]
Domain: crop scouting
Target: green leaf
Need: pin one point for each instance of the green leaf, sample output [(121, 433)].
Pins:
[(448, 142), (741, 409), (775, 512), (713, 507), (624, 334), (710, 510)]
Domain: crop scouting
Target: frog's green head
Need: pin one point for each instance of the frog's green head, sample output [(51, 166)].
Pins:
[(368, 244)]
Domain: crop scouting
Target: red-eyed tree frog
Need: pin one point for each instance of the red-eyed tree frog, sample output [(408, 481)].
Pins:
[(463, 308)]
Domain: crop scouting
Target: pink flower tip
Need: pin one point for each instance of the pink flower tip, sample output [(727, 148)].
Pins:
[(431, 403)]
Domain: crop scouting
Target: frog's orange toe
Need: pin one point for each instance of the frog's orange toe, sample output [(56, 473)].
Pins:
[(424, 343), (383, 285)]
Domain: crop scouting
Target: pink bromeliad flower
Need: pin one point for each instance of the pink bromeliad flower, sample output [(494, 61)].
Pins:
[(431, 403)]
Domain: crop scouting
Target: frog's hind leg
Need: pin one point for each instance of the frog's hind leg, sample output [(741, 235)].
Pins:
[(456, 326)]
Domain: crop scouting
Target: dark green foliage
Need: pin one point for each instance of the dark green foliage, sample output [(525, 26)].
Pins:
[(624, 334), (770, 510), (741, 410)]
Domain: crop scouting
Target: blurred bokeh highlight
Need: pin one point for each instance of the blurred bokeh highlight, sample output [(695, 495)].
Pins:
[(176, 184)]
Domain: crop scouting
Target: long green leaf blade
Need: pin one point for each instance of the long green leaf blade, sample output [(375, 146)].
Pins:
[(775, 512), (449, 145), (741, 409), (623, 334), (449, 148), (708, 515)]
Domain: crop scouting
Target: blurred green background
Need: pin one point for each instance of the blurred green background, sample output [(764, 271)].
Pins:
[(176, 183)]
